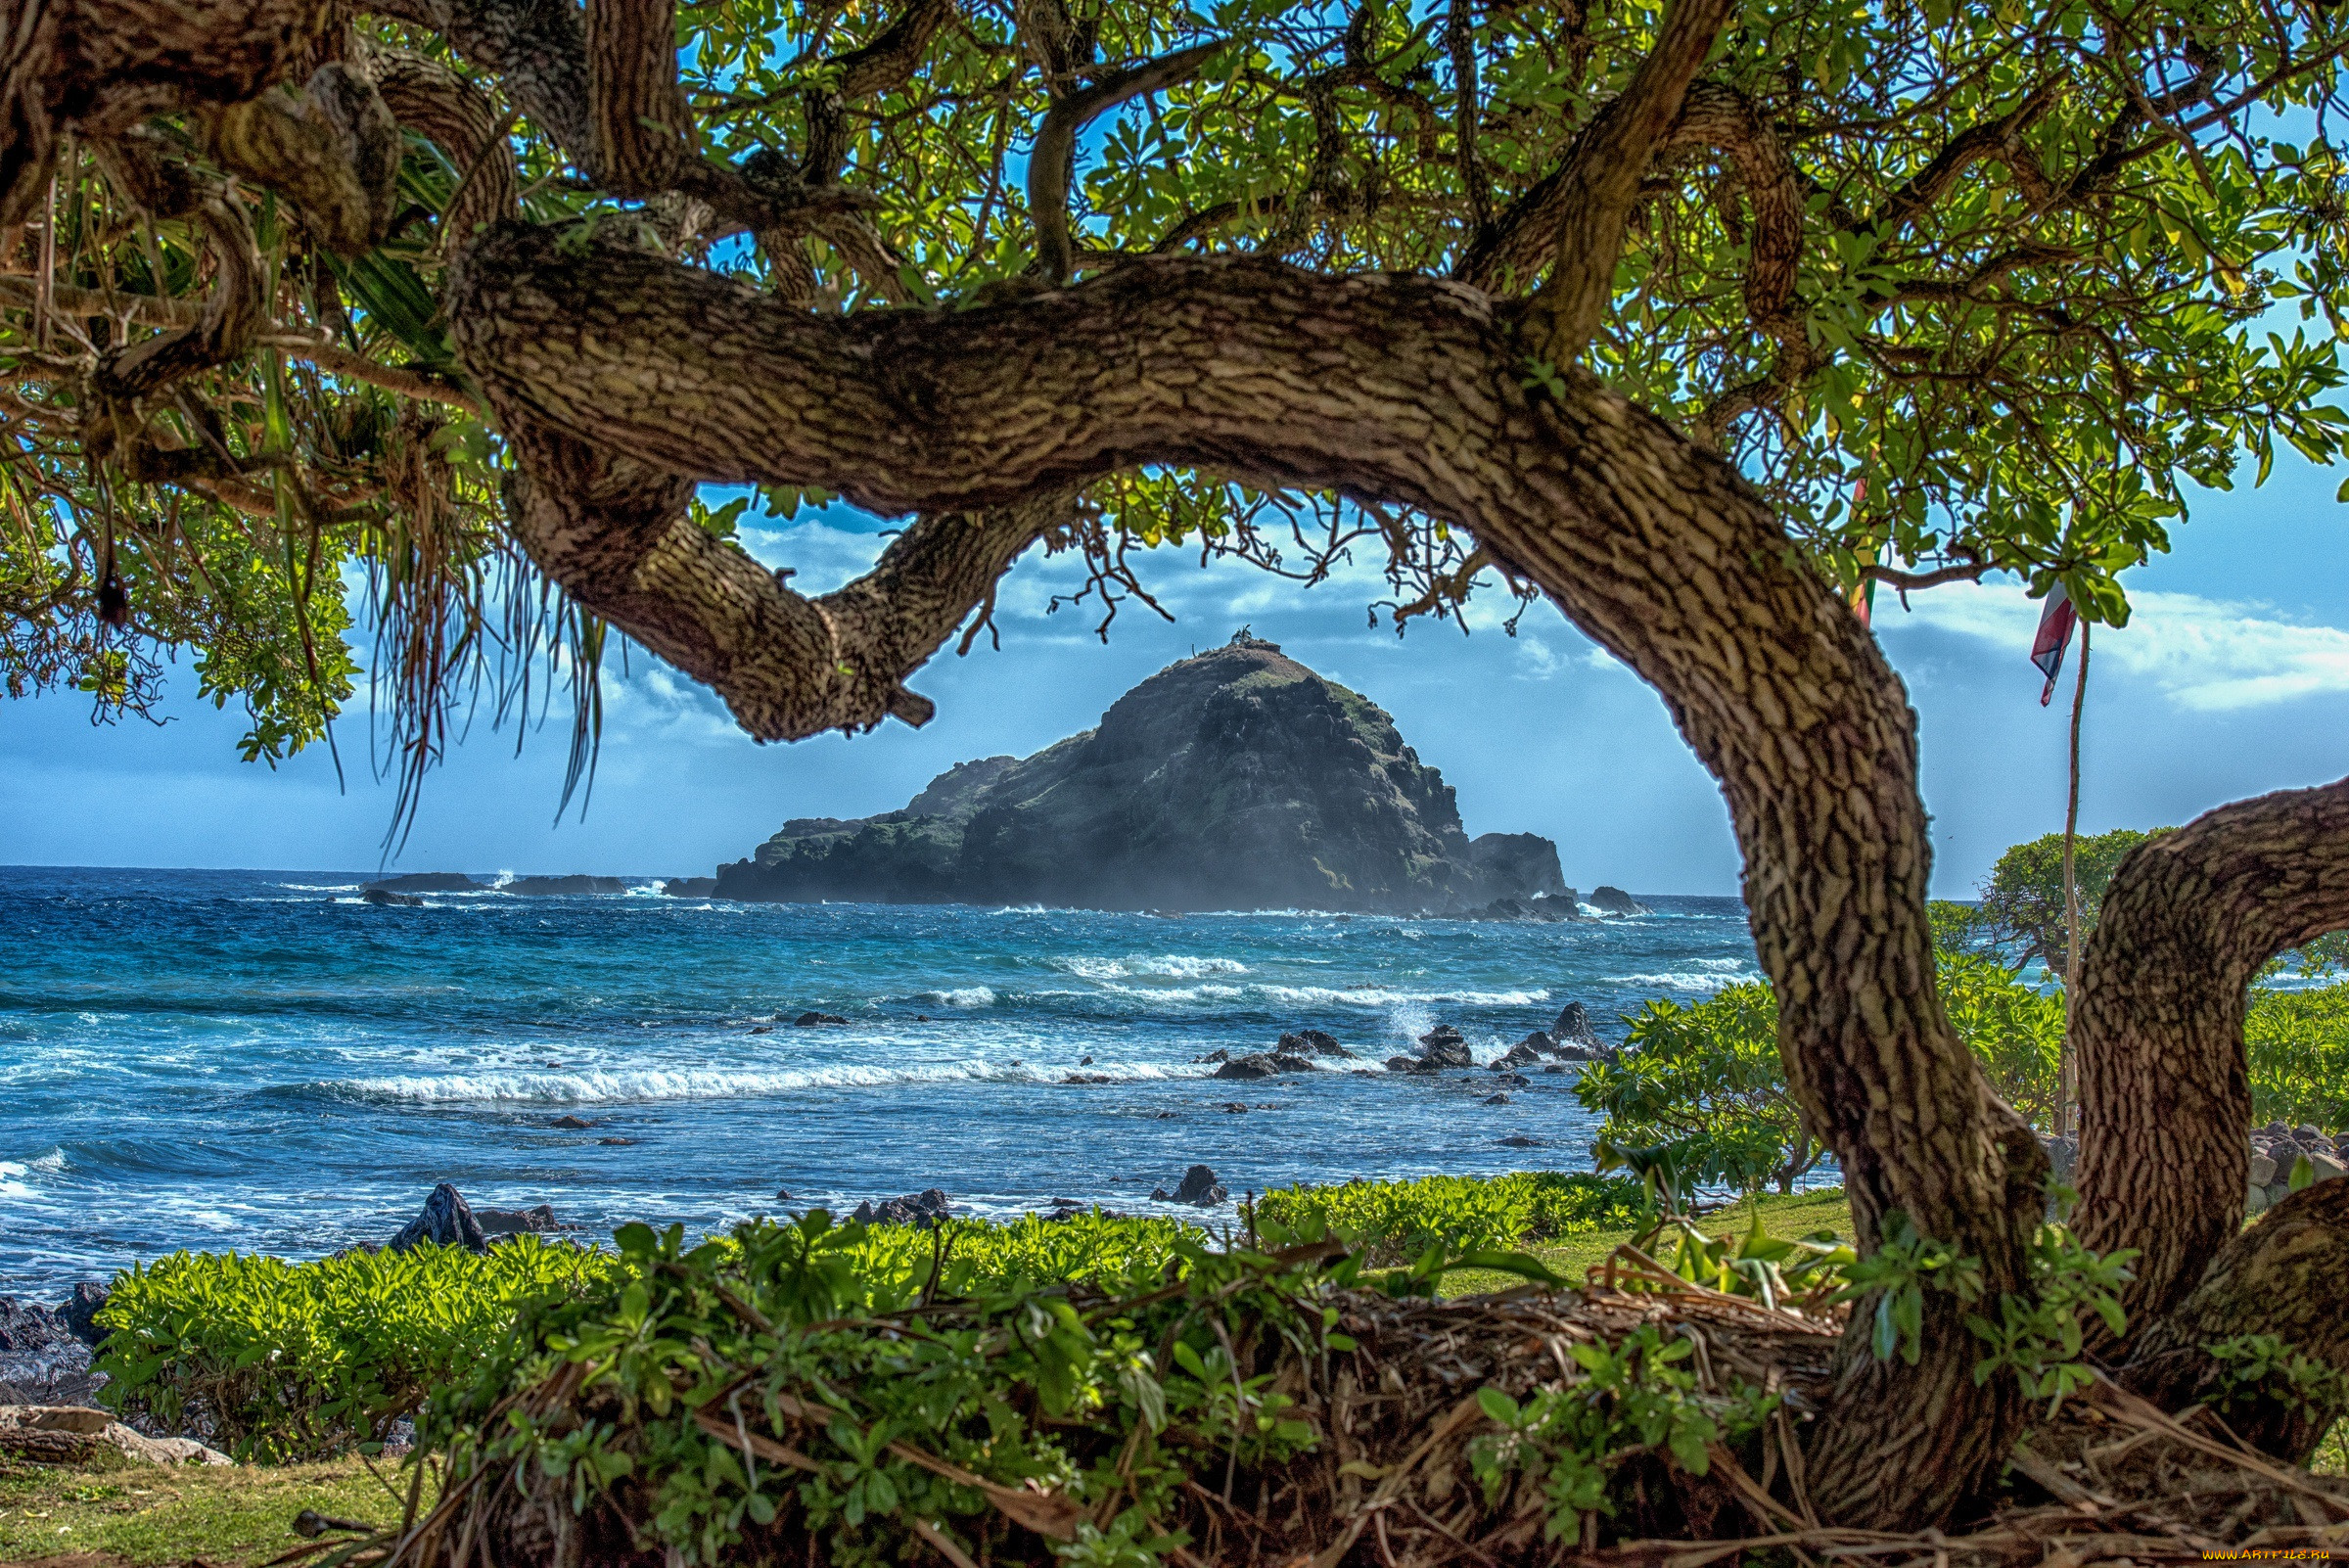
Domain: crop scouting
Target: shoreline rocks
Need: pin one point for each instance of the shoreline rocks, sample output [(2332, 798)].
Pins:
[(920, 1210)]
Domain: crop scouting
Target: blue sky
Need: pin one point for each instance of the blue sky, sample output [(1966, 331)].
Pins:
[(2234, 678)]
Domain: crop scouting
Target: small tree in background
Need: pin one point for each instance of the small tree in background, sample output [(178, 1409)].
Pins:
[(2022, 913)]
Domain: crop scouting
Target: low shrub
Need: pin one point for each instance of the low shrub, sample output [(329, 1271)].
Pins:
[(1396, 1221), (2297, 1042), (277, 1360)]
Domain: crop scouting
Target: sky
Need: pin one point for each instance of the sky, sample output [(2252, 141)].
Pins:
[(2230, 680)]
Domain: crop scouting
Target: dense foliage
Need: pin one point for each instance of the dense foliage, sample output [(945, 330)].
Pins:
[(279, 1361), (2297, 1044), (1397, 1222), (2022, 915), (1703, 1094)]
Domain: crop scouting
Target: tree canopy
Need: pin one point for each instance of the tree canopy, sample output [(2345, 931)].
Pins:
[(1962, 289)]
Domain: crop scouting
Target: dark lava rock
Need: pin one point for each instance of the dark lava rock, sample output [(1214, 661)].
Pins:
[(79, 1313), (573, 1123), (557, 887), (783, 1194), (1515, 1080), (1232, 1108), (810, 1020), (1214, 1056), (422, 882), (689, 887), (1518, 1141), (447, 1221), (1236, 779), (385, 898), (921, 1210), (25, 1327), (1497, 1099), (1163, 1115), (1408, 1064), (1521, 1055), (1311, 1043), (1616, 901), (1199, 1186), (1573, 1026), (1543, 906), (538, 1220), (763, 1029), (1088, 1077), (1444, 1047), (1265, 1064), (618, 1144), (1085, 1061)]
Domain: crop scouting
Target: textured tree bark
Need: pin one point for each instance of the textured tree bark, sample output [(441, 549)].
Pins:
[(2158, 1024), (1409, 390), (2283, 1276)]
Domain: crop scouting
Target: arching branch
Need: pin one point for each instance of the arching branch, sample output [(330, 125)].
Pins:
[(1402, 389), (2158, 1025), (1052, 163)]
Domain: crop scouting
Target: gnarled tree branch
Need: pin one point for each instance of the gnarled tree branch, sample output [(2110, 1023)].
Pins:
[(1052, 163), (2158, 1025)]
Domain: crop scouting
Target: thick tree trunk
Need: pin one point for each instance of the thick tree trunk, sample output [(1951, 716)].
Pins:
[(1404, 391), (2158, 1025), (2283, 1276)]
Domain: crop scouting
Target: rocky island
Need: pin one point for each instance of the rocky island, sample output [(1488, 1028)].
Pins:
[(1237, 779)]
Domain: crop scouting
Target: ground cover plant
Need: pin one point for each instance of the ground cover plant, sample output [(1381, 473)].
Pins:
[(147, 1516), (1390, 1222)]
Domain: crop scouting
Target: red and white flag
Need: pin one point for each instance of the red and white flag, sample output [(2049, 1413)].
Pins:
[(2055, 622)]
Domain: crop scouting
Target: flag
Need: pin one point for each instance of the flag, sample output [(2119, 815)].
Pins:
[(2055, 624)]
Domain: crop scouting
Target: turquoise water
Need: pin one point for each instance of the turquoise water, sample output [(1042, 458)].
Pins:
[(257, 1060)]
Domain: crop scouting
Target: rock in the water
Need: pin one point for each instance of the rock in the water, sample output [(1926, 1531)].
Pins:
[(79, 1313), (811, 1020), (689, 887), (538, 1220), (1199, 1186), (1444, 1047), (1497, 1099), (1407, 1064), (1311, 1043), (447, 1221), (1237, 779), (921, 1210), (571, 1124), (422, 882), (1518, 1141), (1515, 1080), (1573, 1026), (385, 898), (1521, 1055), (1616, 901), (557, 887), (1265, 1064)]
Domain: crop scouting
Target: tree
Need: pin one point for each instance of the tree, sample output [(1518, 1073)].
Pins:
[(1691, 321), (2022, 910)]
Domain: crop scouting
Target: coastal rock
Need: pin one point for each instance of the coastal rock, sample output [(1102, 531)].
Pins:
[(538, 1220), (1541, 907), (921, 1210), (1265, 1064), (1515, 1080), (1518, 1141), (1408, 1064), (385, 898), (1311, 1043), (558, 886), (1497, 1099), (1522, 1054), (1199, 1187), (688, 887), (1445, 1046), (73, 1434), (422, 882), (1573, 1026), (1615, 902), (79, 1313), (811, 1020), (28, 1329), (571, 1124), (447, 1221), (1237, 779)]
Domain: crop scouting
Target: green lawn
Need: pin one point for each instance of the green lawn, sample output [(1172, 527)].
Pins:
[(1799, 1214), (129, 1514)]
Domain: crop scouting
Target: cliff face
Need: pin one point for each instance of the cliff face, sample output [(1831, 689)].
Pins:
[(1235, 780)]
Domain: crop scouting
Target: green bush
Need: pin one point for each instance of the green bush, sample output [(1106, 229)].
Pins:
[(1703, 1097), (1391, 1223), (278, 1361), (2298, 1045)]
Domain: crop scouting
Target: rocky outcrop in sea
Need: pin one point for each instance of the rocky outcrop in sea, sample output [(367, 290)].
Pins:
[(1238, 779)]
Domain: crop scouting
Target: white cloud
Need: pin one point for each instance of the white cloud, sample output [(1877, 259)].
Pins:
[(2205, 654)]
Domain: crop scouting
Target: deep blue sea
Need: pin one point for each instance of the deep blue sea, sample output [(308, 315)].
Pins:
[(255, 1060)]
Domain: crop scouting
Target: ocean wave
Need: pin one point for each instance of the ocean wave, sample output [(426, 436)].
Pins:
[(1173, 966), (1707, 978), (306, 887), (636, 1084), (12, 1180), (959, 997), (1374, 995)]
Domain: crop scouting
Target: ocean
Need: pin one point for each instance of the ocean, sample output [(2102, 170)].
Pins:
[(257, 1060)]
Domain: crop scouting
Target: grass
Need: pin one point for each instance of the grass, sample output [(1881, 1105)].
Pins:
[(125, 1513), (1797, 1215)]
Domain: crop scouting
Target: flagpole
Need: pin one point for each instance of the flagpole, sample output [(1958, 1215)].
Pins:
[(2068, 1067)]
